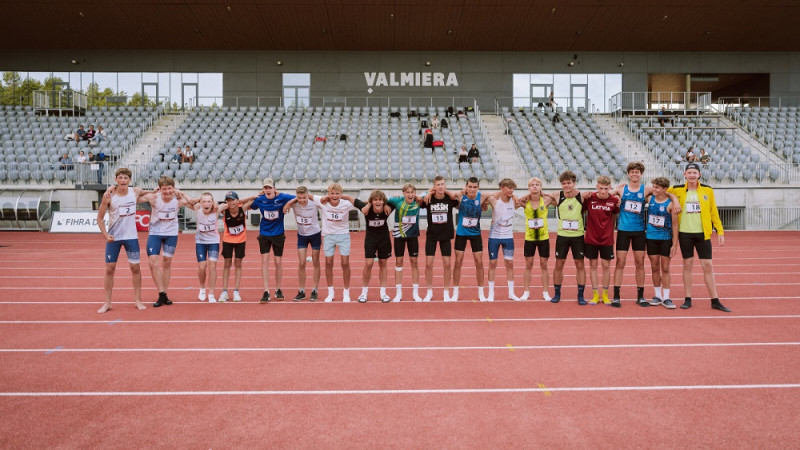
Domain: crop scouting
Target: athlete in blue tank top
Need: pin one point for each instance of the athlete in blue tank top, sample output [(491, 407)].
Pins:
[(659, 220)]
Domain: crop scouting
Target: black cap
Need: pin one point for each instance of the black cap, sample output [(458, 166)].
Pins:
[(231, 195), (692, 166)]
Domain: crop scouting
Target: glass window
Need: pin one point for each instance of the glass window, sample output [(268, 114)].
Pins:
[(297, 79), (599, 88), (210, 85)]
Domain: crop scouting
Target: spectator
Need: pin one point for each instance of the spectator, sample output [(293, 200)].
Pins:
[(80, 135), (82, 159), (460, 114), (95, 159), (99, 136), (691, 156), (444, 124), (705, 158), (178, 156), (65, 162), (90, 133), (463, 155), (661, 115), (449, 112), (556, 118), (435, 122), (474, 155), (188, 155), (551, 102)]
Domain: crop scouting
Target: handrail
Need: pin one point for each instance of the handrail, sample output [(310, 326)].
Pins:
[(278, 102)]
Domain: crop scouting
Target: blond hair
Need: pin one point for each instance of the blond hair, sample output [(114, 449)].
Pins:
[(166, 181), (335, 187), (604, 180)]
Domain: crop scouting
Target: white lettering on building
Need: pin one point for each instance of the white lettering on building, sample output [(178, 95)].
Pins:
[(411, 79)]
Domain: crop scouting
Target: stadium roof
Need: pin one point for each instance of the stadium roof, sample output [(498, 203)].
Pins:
[(404, 25)]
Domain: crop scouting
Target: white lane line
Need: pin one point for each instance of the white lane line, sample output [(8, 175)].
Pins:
[(480, 320), (404, 391), (62, 349)]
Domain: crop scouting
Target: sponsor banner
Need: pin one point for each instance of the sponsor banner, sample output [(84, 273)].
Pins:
[(142, 220), (75, 222)]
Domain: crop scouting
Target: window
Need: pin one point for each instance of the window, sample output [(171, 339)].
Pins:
[(590, 91), (296, 89)]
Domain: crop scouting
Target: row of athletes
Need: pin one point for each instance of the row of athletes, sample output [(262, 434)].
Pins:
[(585, 226)]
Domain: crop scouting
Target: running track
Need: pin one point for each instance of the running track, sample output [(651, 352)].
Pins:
[(464, 374)]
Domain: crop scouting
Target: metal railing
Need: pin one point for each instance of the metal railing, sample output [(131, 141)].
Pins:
[(564, 104), (631, 103), (390, 102), (759, 102), (60, 101), (760, 218)]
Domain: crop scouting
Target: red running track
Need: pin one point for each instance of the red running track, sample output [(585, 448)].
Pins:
[(464, 374)]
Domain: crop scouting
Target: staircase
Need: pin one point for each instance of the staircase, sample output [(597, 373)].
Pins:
[(152, 141), (508, 163), (627, 144)]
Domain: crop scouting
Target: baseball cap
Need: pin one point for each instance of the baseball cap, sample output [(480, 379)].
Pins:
[(231, 195), (268, 182), (692, 166)]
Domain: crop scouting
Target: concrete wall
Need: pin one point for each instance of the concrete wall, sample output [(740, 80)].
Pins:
[(481, 75)]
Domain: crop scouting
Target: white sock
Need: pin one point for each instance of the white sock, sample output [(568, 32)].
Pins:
[(416, 289), (383, 291), (447, 293), (658, 291), (510, 288), (666, 293), (455, 291), (364, 290), (491, 288), (346, 293), (546, 296), (330, 291)]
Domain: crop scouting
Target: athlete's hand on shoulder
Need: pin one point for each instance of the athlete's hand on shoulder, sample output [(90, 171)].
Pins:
[(324, 200), (110, 191)]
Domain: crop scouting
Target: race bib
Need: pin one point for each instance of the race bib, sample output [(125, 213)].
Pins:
[(633, 207), (166, 215), (569, 225), (657, 221), (692, 207), (469, 222), (206, 227), (409, 220), (238, 229), (334, 216), (303, 220), (271, 215), (439, 218), (376, 223), (536, 223), (127, 210)]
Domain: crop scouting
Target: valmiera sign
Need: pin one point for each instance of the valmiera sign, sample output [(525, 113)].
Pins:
[(410, 79)]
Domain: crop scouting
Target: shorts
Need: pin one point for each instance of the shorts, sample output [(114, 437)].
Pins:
[(332, 241), (475, 243), (592, 251), (155, 242), (444, 247), (131, 249), (378, 246), (542, 246), (276, 242), (494, 247), (564, 244), (660, 247), (203, 251), (229, 247), (315, 240), (691, 241), (638, 239), (400, 245)]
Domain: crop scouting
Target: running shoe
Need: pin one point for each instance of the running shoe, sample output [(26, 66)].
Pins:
[(300, 295), (223, 297), (668, 304), (265, 297), (279, 295), (236, 296), (314, 296)]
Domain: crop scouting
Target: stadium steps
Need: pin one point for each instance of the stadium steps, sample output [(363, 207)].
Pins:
[(755, 144), (149, 144), (508, 163)]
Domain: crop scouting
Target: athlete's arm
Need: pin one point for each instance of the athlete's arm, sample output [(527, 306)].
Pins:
[(349, 198), (674, 215), (675, 202), (620, 189), (101, 213), (289, 205)]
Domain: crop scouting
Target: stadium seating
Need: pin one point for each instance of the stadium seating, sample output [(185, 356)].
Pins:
[(320, 144), (776, 127), (34, 143)]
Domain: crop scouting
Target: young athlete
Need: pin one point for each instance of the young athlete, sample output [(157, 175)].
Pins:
[(600, 207), (206, 244), (468, 229), (406, 235), (271, 234), (537, 236), (163, 234), (234, 240), (501, 234), (308, 233), (631, 230), (695, 221), (378, 241), (335, 233), (121, 207), (439, 205), (570, 234), (662, 240)]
